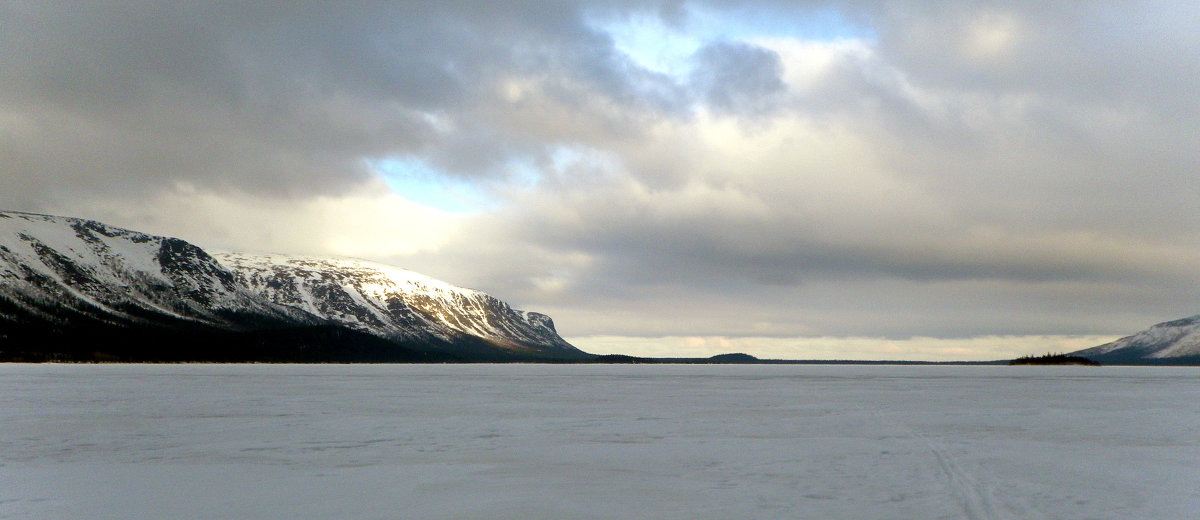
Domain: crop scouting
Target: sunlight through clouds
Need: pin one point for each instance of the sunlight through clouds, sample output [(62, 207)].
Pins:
[(369, 223), (648, 169)]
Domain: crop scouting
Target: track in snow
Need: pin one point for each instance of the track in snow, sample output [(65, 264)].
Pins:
[(976, 499)]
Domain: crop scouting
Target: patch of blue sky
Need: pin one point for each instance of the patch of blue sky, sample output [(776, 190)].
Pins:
[(653, 44), (414, 179), (662, 46)]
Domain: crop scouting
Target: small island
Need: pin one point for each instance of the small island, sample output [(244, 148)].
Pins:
[(722, 359), (1054, 359)]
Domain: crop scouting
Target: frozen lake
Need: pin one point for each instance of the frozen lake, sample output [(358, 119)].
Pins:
[(597, 442)]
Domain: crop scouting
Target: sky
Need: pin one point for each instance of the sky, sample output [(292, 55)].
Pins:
[(791, 179)]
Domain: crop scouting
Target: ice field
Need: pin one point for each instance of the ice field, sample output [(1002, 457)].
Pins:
[(598, 442)]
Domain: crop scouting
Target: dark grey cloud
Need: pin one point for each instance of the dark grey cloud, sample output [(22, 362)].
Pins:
[(287, 99), (738, 77), (146, 95)]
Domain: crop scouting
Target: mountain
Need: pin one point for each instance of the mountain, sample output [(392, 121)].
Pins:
[(76, 289), (396, 304), (1170, 343)]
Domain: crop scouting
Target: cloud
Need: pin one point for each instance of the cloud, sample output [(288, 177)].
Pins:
[(780, 169), (288, 101), (366, 223), (738, 77)]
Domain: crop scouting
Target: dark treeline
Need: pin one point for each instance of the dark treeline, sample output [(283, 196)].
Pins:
[(1053, 359)]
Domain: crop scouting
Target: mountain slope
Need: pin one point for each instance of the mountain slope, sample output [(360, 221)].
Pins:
[(78, 289), (1172, 342), (61, 265), (394, 303)]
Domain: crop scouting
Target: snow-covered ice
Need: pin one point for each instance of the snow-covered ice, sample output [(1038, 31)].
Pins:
[(597, 442)]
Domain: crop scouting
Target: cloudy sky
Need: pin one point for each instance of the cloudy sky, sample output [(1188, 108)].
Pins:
[(900, 180)]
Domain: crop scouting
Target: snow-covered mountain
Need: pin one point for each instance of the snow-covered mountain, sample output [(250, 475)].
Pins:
[(61, 266), (1172, 342), (67, 280), (392, 303)]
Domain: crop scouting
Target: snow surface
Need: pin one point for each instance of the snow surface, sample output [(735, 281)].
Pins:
[(597, 442)]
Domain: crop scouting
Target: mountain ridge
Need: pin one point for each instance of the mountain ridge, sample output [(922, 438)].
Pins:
[(1175, 342), (137, 296)]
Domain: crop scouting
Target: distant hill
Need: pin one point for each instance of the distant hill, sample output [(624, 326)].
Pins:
[(725, 359), (1170, 343), (736, 357)]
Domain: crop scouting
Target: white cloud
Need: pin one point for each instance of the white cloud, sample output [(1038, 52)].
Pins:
[(806, 63), (991, 35)]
